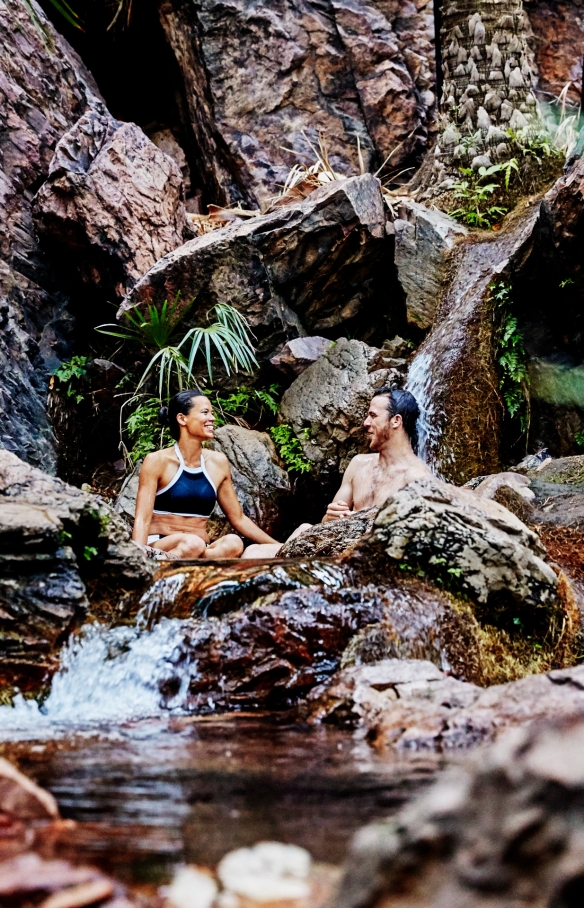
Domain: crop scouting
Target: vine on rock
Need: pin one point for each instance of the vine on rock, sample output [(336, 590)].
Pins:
[(511, 356)]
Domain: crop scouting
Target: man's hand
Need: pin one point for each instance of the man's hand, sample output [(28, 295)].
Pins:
[(336, 511)]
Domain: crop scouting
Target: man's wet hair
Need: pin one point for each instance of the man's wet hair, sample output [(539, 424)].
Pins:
[(404, 404)]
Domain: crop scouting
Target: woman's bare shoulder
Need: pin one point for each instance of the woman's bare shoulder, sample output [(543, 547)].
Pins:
[(157, 460)]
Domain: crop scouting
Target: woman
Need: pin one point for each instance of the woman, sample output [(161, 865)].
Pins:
[(180, 485)]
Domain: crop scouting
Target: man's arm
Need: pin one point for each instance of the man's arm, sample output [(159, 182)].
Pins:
[(342, 503)]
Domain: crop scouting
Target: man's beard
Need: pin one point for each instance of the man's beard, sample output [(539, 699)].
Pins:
[(381, 438)]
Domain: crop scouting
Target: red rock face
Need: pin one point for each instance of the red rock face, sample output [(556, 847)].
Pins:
[(262, 77), (558, 42)]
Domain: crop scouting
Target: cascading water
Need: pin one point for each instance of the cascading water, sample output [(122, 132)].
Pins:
[(110, 674), (419, 382)]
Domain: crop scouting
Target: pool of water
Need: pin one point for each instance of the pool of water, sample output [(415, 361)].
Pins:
[(151, 794)]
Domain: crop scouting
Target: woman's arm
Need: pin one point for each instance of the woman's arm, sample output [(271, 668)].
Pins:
[(147, 487), (232, 509)]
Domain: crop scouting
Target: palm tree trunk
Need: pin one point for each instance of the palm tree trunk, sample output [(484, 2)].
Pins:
[(487, 81)]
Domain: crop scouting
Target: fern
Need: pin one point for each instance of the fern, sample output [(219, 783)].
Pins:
[(290, 449), (511, 357)]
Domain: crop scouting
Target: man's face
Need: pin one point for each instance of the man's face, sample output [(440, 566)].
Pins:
[(377, 423)]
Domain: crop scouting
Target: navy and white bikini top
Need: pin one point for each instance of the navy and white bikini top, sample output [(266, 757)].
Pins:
[(190, 492)]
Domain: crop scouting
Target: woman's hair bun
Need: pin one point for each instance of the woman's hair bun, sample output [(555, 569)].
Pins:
[(163, 415)]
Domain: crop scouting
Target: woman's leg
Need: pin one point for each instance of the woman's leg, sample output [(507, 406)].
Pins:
[(229, 546), (182, 545), (267, 550)]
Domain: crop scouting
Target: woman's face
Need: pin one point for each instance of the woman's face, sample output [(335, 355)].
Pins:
[(199, 422)]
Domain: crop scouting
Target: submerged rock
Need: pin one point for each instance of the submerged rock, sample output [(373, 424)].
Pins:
[(317, 263), (505, 829), (112, 201), (329, 402)]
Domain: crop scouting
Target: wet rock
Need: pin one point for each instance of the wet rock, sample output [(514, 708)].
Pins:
[(321, 262), (21, 798), (43, 93), (557, 40), (299, 353), (60, 549), (113, 200), (330, 538), (330, 400), (262, 485), (454, 375), (270, 871), (490, 553), (424, 239), (506, 828), (491, 485), (59, 883)]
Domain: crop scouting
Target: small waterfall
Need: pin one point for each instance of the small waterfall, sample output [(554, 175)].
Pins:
[(420, 382)]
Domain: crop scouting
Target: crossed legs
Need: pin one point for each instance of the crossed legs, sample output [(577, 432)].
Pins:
[(189, 545)]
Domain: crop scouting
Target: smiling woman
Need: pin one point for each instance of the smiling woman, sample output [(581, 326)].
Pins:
[(179, 487)]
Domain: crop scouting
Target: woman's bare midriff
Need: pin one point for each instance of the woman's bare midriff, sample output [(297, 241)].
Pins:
[(167, 524)]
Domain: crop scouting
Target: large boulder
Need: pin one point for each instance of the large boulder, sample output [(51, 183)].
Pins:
[(45, 88), (112, 203), (262, 485), (424, 239), (262, 83), (454, 375), (505, 829), (320, 263), (298, 354), (409, 704), (329, 402), (488, 553), (62, 551)]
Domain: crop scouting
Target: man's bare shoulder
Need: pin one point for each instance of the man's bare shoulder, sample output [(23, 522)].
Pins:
[(360, 460)]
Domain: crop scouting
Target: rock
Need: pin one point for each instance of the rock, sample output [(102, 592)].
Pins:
[(557, 36), (30, 876), (505, 828), (191, 888), (489, 486), (21, 798), (113, 200), (454, 375), (299, 353), (343, 70), (331, 399), (165, 140), (322, 262), (268, 872), (442, 529), (60, 549), (330, 538), (424, 239), (43, 93), (262, 486)]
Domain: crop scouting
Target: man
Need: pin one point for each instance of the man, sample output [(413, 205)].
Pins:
[(370, 479)]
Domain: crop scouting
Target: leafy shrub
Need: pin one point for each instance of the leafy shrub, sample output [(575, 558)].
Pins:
[(475, 194), (71, 377), (144, 430), (290, 449), (245, 405), (511, 356)]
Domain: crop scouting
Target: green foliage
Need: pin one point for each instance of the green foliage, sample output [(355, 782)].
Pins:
[(123, 11), (475, 195), (145, 431), (511, 356), (173, 356), (245, 404), (566, 282), (89, 552), (290, 449), (71, 377), (579, 438)]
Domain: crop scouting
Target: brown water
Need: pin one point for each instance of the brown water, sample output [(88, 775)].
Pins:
[(156, 793)]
